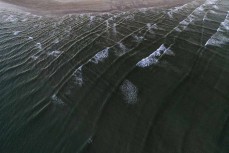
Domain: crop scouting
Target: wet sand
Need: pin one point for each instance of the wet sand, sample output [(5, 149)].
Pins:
[(86, 6)]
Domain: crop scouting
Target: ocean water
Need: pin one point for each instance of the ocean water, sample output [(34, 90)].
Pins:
[(142, 81)]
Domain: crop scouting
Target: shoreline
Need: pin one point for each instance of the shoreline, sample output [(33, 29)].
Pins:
[(63, 8), (11, 7)]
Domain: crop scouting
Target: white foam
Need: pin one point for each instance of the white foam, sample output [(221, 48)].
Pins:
[(100, 56), (129, 91), (168, 51), (92, 18), (56, 100), (16, 32), (225, 23), (30, 38), (138, 38), (129, 17), (122, 46), (151, 27), (147, 61), (55, 53), (24, 20), (153, 58), (56, 41), (176, 10), (35, 26), (219, 38), (193, 16), (148, 26), (123, 49), (78, 76), (186, 22), (143, 10), (178, 29), (11, 18), (38, 45), (34, 57), (210, 2), (216, 7), (107, 25), (90, 140)]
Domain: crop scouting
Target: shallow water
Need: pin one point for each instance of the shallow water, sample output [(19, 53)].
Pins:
[(148, 80)]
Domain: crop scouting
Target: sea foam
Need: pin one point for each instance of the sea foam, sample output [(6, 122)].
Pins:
[(129, 91)]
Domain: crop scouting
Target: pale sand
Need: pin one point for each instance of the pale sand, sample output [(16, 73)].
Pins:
[(85, 6), (8, 6)]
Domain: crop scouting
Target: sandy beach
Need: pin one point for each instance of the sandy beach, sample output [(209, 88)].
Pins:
[(4, 5), (87, 6)]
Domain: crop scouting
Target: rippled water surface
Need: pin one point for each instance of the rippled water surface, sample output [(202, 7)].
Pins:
[(142, 81)]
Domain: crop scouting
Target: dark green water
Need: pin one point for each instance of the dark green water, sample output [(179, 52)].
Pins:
[(143, 81)]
